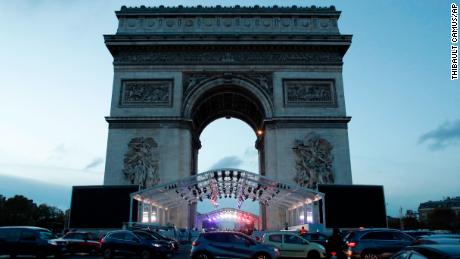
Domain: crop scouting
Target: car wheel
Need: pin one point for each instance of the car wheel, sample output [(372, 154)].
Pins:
[(107, 253), (262, 256), (369, 255), (313, 255), (41, 255), (145, 254), (202, 255)]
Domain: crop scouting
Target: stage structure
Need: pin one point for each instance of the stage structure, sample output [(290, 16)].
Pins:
[(242, 221), (158, 203), (177, 69)]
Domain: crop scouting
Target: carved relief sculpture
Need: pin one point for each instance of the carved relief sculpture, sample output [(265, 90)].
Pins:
[(146, 92), (262, 80), (309, 92), (314, 161), (141, 162)]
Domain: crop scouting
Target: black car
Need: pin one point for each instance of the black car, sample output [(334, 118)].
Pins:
[(376, 243), (126, 242), (429, 252), (317, 237), (30, 241), (156, 234)]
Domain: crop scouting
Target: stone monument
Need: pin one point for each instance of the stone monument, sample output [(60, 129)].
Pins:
[(279, 69)]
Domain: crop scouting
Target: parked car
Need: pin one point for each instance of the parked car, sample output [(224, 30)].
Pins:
[(292, 245), (430, 240), (158, 235), (418, 233), (376, 243), (230, 245), (82, 242), (452, 236), (317, 237), (429, 252), (128, 243), (30, 241)]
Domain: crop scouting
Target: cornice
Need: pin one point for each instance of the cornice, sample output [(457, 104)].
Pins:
[(227, 10)]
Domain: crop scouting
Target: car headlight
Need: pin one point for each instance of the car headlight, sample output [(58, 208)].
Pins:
[(52, 242), (156, 245), (276, 250)]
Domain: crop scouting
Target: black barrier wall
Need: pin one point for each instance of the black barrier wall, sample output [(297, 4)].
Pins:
[(101, 206), (353, 206)]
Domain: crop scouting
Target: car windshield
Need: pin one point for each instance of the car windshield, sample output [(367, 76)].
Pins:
[(145, 235), (46, 235)]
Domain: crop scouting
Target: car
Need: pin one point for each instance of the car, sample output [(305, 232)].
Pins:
[(451, 236), (430, 240), (429, 252), (17, 240), (129, 243), (230, 244), (292, 245), (376, 243), (173, 242), (317, 237), (82, 242), (418, 233)]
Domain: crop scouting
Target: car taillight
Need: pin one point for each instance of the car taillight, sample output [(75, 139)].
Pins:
[(101, 241), (195, 243), (352, 244), (333, 253)]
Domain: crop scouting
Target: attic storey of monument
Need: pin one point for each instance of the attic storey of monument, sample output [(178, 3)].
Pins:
[(279, 69)]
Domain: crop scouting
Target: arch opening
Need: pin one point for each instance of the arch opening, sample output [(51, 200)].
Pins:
[(227, 101)]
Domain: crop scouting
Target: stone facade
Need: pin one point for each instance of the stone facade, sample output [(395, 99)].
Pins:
[(278, 69)]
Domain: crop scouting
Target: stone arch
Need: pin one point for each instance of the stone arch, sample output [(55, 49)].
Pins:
[(236, 88)]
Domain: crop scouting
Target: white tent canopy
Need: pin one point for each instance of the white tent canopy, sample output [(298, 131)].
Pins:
[(226, 183)]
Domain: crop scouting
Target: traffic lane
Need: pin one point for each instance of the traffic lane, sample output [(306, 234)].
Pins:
[(184, 252)]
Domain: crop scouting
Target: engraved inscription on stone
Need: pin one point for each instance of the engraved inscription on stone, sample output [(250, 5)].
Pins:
[(309, 93), (141, 162), (146, 93), (314, 161), (232, 58)]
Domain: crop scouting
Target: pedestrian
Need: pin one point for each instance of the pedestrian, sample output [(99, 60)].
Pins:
[(303, 231), (335, 244)]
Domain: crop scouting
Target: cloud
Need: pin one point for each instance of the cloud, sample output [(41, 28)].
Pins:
[(445, 135), (40, 192), (227, 162), (95, 163)]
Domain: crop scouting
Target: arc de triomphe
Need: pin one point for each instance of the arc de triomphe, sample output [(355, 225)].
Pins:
[(279, 69)]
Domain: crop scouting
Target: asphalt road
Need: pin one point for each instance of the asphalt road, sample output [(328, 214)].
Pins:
[(183, 253)]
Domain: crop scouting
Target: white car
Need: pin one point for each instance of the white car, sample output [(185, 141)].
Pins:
[(293, 245)]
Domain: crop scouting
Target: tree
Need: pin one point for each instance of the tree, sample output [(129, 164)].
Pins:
[(410, 223), (19, 211), (442, 218)]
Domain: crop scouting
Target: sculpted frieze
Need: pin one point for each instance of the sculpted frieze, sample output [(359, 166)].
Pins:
[(226, 24), (141, 162), (314, 161), (146, 93), (262, 80), (309, 92)]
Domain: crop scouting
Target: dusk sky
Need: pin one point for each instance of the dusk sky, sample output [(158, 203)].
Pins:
[(56, 82)]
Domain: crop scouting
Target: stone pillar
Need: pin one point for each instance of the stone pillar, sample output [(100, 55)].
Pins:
[(191, 216), (150, 213), (140, 211)]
